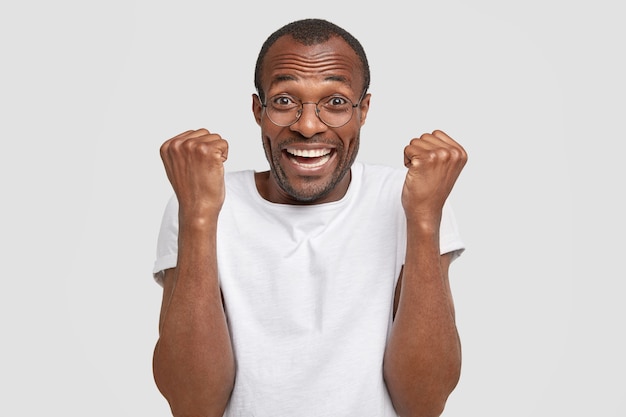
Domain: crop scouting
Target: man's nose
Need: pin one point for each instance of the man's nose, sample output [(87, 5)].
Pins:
[(309, 123)]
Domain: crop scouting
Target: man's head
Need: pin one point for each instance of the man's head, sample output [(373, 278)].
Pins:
[(312, 78), (311, 32)]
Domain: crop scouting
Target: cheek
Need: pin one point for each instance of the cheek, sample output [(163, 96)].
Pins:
[(270, 146), (267, 147), (272, 135), (350, 141)]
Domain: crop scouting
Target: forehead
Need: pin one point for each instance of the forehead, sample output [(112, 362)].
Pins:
[(329, 63)]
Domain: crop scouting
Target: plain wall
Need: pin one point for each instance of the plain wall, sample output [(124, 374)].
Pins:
[(533, 90)]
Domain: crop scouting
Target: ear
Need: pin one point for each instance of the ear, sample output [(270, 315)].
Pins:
[(364, 108), (257, 108)]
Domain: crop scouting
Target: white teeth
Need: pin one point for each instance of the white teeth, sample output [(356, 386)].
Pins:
[(319, 163), (308, 153)]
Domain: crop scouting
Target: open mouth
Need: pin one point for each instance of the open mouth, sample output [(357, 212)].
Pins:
[(309, 158)]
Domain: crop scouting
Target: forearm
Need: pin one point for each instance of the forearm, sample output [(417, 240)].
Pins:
[(423, 356), (193, 360)]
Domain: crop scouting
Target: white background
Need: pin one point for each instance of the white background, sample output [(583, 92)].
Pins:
[(534, 90)]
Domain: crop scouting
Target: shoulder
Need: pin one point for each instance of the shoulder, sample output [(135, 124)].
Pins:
[(239, 182), (236, 177), (380, 171), (374, 176), (378, 187)]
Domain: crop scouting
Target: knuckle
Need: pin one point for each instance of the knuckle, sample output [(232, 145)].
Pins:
[(168, 148), (189, 145), (459, 154), (163, 149), (429, 153), (454, 153), (220, 143), (444, 154)]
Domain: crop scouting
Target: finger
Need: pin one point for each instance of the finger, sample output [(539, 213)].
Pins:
[(443, 136), (421, 152), (210, 146), (197, 133), (221, 146), (434, 140), (420, 148), (447, 139), (164, 149), (186, 132), (435, 145), (165, 146), (414, 154), (190, 140)]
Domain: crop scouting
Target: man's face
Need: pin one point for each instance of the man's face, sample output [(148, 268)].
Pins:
[(308, 159)]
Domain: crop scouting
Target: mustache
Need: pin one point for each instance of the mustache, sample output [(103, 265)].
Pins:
[(316, 139)]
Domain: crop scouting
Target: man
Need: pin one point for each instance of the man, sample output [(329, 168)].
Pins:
[(319, 287)]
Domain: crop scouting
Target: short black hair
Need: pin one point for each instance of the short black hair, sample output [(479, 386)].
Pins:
[(311, 32)]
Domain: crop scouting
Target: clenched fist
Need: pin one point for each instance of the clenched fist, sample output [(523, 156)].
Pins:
[(194, 162), (434, 162)]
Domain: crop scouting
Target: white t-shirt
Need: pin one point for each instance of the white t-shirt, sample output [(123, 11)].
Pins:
[(309, 292)]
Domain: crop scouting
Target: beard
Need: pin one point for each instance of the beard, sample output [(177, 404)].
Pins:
[(312, 188)]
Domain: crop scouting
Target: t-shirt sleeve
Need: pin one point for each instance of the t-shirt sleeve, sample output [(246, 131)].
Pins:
[(167, 242), (449, 237)]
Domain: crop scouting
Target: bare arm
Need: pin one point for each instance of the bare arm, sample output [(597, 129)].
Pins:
[(193, 359), (423, 357)]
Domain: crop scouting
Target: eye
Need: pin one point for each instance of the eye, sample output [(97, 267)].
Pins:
[(336, 103), (283, 102)]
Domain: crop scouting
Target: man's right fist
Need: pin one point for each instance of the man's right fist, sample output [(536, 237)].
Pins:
[(194, 162)]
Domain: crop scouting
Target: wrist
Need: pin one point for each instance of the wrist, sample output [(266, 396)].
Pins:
[(423, 230), (197, 222), (423, 223)]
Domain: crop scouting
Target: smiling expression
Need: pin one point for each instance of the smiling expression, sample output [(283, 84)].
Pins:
[(309, 160)]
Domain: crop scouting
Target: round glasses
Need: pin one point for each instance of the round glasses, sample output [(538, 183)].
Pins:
[(334, 111)]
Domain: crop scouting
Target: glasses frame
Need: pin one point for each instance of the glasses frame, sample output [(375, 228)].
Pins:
[(317, 110)]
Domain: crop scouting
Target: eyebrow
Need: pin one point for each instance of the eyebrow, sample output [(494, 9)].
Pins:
[(283, 77), (286, 77)]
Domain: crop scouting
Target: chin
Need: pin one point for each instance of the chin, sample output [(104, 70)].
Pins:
[(307, 196)]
